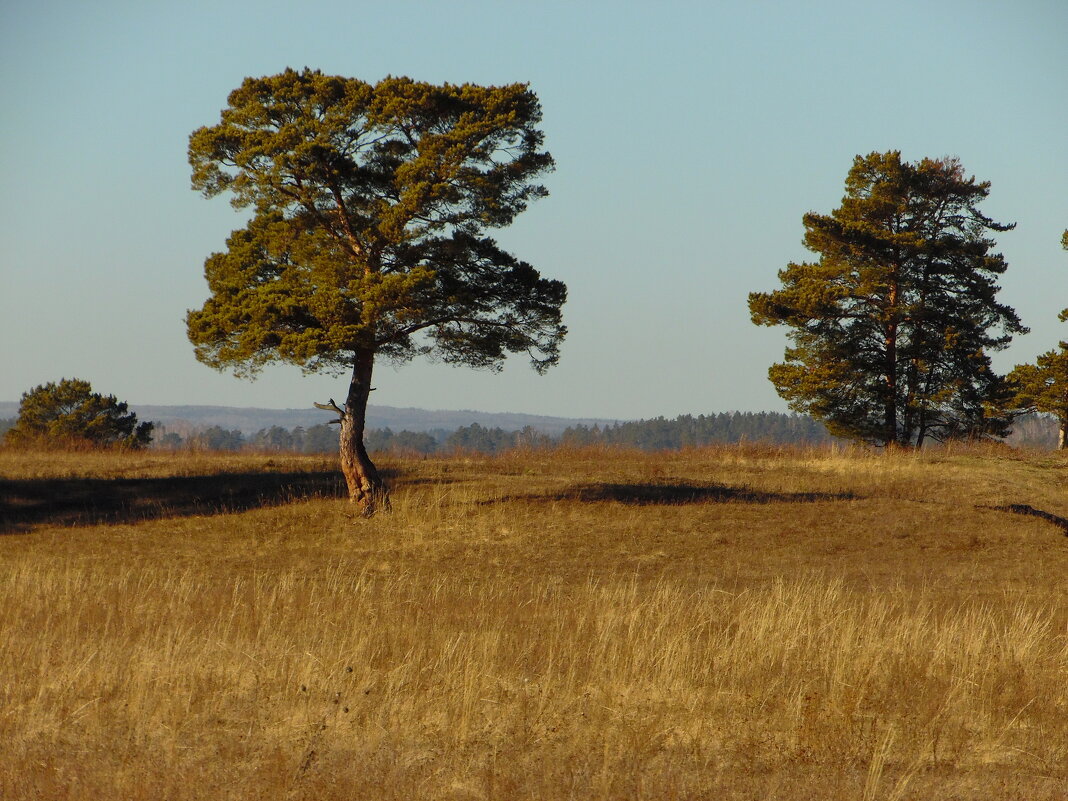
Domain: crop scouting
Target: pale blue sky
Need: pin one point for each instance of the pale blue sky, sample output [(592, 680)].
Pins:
[(689, 138)]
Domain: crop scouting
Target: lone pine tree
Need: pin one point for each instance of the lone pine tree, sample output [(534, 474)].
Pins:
[(69, 412), (367, 241), (892, 326)]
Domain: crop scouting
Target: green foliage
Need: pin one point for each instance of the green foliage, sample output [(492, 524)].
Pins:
[(276, 438), (687, 431), (319, 439), (479, 439), (1043, 386), (370, 204), (892, 326), (401, 442), (216, 438), (69, 412)]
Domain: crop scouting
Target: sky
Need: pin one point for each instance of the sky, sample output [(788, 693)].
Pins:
[(689, 138)]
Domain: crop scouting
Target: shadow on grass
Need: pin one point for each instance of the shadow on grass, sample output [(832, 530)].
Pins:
[(1024, 509), (25, 503), (676, 494)]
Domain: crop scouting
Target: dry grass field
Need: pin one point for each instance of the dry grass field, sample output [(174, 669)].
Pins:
[(729, 623)]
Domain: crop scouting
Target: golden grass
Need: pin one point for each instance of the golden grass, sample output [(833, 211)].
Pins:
[(743, 622)]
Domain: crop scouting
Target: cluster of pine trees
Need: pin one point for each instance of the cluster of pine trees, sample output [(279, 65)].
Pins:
[(891, 327)]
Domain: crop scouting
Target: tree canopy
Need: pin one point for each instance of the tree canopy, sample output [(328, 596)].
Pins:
[(69, 412), (893, 325), (370, 206), (1043, 387), (369, 203)]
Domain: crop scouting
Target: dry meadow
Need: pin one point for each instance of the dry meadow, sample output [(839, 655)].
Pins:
[(725, 623)]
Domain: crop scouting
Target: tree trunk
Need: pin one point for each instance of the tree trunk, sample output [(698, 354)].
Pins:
[(890, 433), (1062, 430), (366, 488), (890, 408)]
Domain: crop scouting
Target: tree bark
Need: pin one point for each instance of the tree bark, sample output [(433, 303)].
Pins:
[(922, 434), (891, 376), (366, 487), (890, 435)]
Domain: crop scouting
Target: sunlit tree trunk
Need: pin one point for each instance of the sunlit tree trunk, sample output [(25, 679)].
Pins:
[(365, 485)]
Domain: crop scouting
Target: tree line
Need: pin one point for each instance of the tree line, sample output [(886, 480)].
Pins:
[(311, 439), (657, 434)]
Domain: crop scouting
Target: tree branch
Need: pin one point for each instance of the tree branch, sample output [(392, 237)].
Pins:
[(332, 407), (415, 327)]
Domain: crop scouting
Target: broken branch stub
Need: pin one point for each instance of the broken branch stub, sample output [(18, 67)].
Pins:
[(332, 407)]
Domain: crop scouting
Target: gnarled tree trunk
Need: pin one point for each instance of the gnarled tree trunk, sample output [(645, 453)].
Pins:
[(366, 487)]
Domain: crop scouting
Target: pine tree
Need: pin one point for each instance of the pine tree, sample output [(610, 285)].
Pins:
[(69, 412), (368, 240), (893, 325)]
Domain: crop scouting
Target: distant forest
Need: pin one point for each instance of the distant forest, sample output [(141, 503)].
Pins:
[(652, 435), (686, 431)]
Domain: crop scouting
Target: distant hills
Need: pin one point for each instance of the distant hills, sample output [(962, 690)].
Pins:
[(184, 419)]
